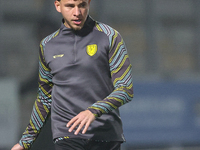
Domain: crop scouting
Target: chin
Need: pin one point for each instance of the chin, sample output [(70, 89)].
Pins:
[(77, 28)]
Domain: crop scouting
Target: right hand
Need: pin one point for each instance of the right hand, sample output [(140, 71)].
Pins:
[(17, 147)]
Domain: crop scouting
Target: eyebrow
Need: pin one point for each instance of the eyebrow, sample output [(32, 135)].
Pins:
[(72, 4), (69, 4)]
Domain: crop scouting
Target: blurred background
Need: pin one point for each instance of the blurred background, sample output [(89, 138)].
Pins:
[(163, 42)]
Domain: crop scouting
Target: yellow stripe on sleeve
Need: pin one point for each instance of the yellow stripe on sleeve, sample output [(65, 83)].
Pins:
[(125, 73), (103, 111), (98, 27), (117, 99), (113, 40), (46, 109), (119, 44), (39, 113), (33, 127), (122, 63)]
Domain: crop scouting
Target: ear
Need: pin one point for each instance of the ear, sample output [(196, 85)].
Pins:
[(57, 5)]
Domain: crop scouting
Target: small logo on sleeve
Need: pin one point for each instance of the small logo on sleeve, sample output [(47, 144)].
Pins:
[(91, 49), (56, 56)]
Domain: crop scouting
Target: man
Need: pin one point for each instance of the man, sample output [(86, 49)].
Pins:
[(84, 76)]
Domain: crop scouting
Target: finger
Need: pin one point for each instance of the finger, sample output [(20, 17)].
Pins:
[(76, 123), (86, 127), (71, 121), (79, 128)]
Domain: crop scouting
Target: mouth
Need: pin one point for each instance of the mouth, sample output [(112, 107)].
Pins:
[(77, 21)]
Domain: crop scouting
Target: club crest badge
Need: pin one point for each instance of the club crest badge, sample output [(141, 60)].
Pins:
[(91, 49)]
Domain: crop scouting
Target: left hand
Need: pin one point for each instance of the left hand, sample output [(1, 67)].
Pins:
[(84, 118)]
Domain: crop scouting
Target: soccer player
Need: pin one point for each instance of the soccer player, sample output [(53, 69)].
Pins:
[(84, 77)]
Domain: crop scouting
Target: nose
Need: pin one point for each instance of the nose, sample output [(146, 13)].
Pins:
[(77, 11)]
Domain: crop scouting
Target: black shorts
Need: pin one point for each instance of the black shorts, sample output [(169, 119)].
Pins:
[(82, 144)]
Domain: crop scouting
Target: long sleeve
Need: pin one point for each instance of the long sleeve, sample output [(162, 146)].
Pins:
[(42, 105), (120, 69)]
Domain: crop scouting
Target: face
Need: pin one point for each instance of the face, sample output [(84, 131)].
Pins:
[(74, 12)]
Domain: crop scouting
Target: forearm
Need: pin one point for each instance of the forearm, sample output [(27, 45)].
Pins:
[(117, 98), (39, 115)]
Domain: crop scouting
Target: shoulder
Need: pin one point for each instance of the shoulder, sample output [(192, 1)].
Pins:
[(112, 34), (50, 37), (106, 29)]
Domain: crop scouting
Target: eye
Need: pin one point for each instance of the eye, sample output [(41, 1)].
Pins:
[(83, 5)]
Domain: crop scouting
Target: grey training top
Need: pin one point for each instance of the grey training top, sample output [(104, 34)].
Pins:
[(79, 70)]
